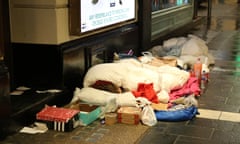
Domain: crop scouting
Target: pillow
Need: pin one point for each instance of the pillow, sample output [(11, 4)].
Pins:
[(92, 96), (126, 99)]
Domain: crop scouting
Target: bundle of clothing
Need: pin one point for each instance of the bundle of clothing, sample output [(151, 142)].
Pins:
[(158, 76), (112, 85)]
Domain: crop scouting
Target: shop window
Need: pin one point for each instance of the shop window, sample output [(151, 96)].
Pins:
[(164, 4)]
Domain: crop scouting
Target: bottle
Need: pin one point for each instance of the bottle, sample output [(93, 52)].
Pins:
[(203, 80), (197, 69)]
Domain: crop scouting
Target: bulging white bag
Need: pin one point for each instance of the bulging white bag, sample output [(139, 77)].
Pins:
[(148, 116)]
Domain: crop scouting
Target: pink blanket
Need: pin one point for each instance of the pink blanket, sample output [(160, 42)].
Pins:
[(190, 87)]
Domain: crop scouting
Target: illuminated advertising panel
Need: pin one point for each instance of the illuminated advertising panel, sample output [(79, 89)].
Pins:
[(90, 17), (97, 14)]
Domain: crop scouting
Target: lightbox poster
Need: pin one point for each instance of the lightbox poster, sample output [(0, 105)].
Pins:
[(96, 14)]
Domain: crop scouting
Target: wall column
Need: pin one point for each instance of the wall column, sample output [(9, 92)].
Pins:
[(145, 16)]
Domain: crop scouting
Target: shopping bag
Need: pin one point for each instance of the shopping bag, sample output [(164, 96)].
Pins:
[(148, 116)]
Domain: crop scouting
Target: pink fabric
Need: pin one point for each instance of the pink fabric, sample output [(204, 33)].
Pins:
[(190, 87)]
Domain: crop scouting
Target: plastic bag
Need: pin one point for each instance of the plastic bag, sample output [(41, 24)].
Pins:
[(148, 116)]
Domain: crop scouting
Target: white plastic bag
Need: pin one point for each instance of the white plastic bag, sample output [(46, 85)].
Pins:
[(148, 116)]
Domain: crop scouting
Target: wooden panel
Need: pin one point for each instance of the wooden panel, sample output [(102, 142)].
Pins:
[(39, 23), (1, 31), (74, 17)]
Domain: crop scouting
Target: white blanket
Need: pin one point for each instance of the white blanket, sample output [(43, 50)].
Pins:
[(129, 73)]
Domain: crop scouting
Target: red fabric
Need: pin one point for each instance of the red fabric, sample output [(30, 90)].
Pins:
[(147, 91), (190, 87), (56, 114)]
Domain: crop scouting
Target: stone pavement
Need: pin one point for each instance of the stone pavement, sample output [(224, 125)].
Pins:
[(219, 106)]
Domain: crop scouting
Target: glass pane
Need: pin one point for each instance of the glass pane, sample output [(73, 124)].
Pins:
[(163, 4)]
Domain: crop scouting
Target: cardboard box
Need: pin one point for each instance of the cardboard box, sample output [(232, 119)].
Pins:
[(59, 119), (129, 115), (88, 114), (110, 118)]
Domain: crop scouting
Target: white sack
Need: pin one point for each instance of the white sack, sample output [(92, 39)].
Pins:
[(123, 74), (92, 96), (131, 62), (136, 75), (172, 42), (137, 72), (171, 78), (96, 97), (194, 47), (189, 59), (126, 99), (107, 71), (158, 51), (197, 38)]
